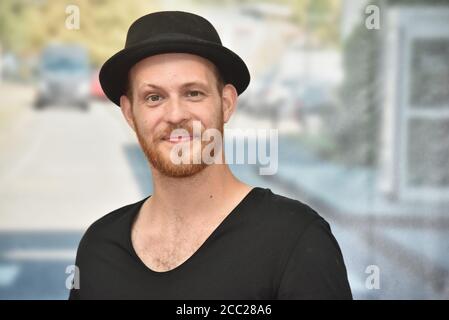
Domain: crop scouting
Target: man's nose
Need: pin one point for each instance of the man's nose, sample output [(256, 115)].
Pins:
[(175, 111)]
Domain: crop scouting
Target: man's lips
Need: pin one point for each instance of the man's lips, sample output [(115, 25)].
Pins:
[(178, 139)]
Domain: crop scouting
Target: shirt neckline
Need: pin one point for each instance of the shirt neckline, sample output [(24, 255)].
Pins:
[(201, 248)]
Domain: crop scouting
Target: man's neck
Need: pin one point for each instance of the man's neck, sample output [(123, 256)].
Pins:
[(209, 194)]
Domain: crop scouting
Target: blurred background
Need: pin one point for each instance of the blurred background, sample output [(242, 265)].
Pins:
[(359, 91)]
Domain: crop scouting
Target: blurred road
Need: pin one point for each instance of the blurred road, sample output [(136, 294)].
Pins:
[(64, 161), (60, 170)]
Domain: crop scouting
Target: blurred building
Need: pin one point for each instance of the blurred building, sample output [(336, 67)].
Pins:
[(415, 72)]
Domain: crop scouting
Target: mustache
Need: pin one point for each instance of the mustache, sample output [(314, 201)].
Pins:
[(187, 126)]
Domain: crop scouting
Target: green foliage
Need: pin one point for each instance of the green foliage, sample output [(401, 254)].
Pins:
[(12, 31), (358, 117), (26, 26), (319, 17)]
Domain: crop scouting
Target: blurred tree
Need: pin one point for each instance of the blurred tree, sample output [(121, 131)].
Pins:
[(103, 24), (356, 123), (12, 32), (319, 17)]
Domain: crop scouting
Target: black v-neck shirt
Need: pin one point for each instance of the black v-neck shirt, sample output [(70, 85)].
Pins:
[(268, 247)]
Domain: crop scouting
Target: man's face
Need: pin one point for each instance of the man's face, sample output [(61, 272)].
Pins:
[(172, 91)]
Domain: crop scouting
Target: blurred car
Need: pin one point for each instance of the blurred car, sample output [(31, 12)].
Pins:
[(63, 76), (303, 83), (95, 87), (251, 100), (309, 96)]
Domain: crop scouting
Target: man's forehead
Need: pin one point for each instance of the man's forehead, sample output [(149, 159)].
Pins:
[(172, 68), (173, 61)]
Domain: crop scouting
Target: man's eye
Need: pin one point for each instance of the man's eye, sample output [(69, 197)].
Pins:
[(153, 98), (194, 93)]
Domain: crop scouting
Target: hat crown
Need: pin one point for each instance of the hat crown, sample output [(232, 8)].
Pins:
[(163, 24)]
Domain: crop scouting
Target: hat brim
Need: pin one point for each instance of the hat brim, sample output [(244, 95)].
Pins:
[(114, 72)]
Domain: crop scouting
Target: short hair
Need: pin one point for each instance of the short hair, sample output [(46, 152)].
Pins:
[(220, 81)]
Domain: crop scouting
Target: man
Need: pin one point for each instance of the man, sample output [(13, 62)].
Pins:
[(202, 234)]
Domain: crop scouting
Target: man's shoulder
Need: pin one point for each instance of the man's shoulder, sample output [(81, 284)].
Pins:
[(113, 222), (286, 211)]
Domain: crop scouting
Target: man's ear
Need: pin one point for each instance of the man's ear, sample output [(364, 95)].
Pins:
[(229, 99), (125, 105)]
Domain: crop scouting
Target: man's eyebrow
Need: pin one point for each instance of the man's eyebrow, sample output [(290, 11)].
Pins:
[(195, 83), (145, 84), (185, 85)]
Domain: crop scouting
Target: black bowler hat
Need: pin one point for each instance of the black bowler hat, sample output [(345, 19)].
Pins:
[(171, 32)]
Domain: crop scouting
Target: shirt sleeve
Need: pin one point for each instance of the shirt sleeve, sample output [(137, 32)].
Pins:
[(75, 293), (315, 268)]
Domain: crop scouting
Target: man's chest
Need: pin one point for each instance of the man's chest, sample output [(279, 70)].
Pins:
[(162, 254)]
